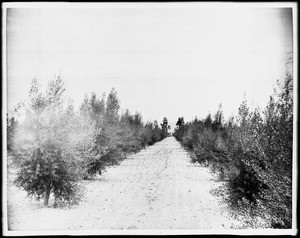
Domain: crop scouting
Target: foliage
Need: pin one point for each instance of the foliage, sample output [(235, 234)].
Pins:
[(49, 145), (11, 125), (116, 135), (180, 122), (55, 147), (253, 151)]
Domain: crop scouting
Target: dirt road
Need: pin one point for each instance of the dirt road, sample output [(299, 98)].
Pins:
[(157, 188)]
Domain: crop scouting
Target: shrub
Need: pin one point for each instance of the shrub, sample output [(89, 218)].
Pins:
[(48, 157), (253, 152), (55, 147), (116, 136)]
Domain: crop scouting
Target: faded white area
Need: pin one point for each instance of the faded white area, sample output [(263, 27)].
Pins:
[(164, 60), (156, 189)]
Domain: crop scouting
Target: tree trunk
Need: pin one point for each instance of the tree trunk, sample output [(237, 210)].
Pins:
[(47, 195), (222, 173)]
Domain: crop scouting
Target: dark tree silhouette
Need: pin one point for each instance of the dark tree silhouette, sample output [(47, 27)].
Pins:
[(165, 127), (180, 122)]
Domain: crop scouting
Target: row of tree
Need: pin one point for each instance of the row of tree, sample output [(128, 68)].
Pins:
[(253, 151), (56, 146)]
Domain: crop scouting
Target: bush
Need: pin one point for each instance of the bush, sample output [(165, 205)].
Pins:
[(116, 136), (56, 147), (252, 152), (33, 156), (51, 145)]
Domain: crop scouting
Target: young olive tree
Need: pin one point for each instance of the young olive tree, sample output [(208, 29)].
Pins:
[(48, 159)]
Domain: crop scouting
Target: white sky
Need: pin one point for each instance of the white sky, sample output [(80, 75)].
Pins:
[(163, 61)]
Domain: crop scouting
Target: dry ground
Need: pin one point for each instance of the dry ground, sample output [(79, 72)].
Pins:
[(157, 188)]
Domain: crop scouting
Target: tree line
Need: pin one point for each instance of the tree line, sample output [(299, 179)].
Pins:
[(253, 151), (55, 147)]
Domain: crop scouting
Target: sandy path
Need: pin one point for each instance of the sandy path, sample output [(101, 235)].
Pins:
[(158, 188)]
